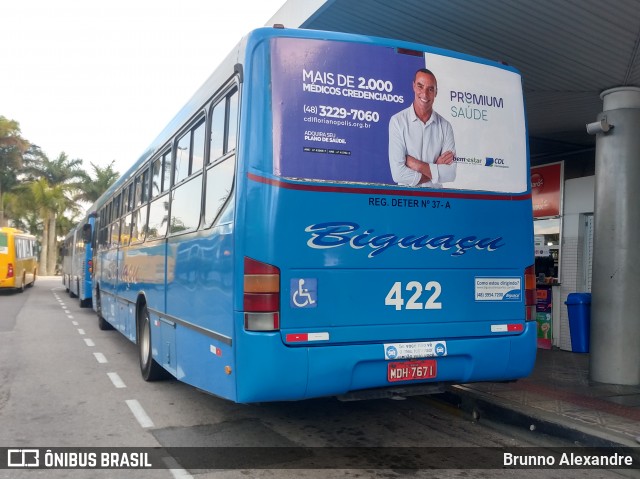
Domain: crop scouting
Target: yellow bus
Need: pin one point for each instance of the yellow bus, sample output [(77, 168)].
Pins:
[(18, 262)]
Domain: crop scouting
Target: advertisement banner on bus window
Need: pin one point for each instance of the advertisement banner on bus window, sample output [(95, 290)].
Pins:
[(343, 112)]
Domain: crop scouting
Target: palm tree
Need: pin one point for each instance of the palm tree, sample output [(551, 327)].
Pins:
[(62, 170), (92, 188), (51, 201), (52, 184)]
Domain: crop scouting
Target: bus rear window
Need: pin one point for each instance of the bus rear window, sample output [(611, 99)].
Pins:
[(345, 112), (4, 244)]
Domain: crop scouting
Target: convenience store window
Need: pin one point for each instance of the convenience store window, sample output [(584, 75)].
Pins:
[(547, 245)]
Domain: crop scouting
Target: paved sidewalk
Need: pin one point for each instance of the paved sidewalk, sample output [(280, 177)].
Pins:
[(559, 399)]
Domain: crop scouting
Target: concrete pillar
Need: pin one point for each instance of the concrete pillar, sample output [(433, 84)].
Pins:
[(615, 302)]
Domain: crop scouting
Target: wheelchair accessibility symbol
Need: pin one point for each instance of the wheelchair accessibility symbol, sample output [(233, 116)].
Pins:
[(304, 292)]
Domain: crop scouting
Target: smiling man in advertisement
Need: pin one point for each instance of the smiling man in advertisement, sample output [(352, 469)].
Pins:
[(421, 142)]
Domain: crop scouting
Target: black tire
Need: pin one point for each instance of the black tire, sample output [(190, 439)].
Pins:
[(72, 294), (149, 368), (23, 286), (103, 325)]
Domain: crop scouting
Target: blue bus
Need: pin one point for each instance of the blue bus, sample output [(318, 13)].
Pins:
[(77, 262), (272, 243)]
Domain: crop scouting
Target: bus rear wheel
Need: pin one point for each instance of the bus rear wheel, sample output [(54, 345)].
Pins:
[(150, 369), (103, 324)]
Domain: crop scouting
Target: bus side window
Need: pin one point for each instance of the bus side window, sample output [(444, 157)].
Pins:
[(144, 194), (219, 180), (158, 216), (125, 230), (86, 233), (185, 206), (182, 159), (125, 199), (156, 178), (232, 129), (115, 234), (219, 184), (166, 171), (139, 225), (224, 126), (197, 157), (217, 131), (115, 212)]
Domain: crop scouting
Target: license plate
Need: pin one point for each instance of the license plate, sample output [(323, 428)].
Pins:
[(412, 370)]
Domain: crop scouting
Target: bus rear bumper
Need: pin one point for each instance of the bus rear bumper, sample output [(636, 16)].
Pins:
[(8, 283), (293, 373)]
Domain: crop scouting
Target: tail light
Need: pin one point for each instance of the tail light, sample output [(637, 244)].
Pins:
[(90, 264), (10, 270), (530, 293), (261, 301)]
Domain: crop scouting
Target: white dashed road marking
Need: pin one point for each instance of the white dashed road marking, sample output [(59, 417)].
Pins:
[(139, 413), (117, 382)]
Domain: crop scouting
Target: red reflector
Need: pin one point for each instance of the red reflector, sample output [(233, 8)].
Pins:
[(264, 302), (251, 266), (530, 296), (515, 327), (293, 338)]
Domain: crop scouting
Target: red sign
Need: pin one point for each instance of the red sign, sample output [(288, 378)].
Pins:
[(545, 190)]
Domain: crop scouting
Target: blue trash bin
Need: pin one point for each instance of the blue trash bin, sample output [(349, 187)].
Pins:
[(579, 309)]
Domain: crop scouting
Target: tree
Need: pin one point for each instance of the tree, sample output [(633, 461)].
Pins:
[(53, 184), (50, 200), (92, 187), (41, 195), (60, 171), (12, 149), (21, 208)]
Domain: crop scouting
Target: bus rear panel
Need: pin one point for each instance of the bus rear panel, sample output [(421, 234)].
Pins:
[(18, 262), (384, 286)]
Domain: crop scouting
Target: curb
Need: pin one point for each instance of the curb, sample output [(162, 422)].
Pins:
[(478, 406)]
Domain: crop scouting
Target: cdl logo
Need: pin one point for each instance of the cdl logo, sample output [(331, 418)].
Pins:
[(537, 182), (493, 161)]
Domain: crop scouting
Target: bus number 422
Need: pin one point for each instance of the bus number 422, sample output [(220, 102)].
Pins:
[(416, 293)]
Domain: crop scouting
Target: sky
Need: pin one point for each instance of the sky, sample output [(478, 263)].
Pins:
[(100, 80)]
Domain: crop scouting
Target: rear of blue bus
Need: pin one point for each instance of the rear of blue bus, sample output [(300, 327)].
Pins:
[(354, 285)]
